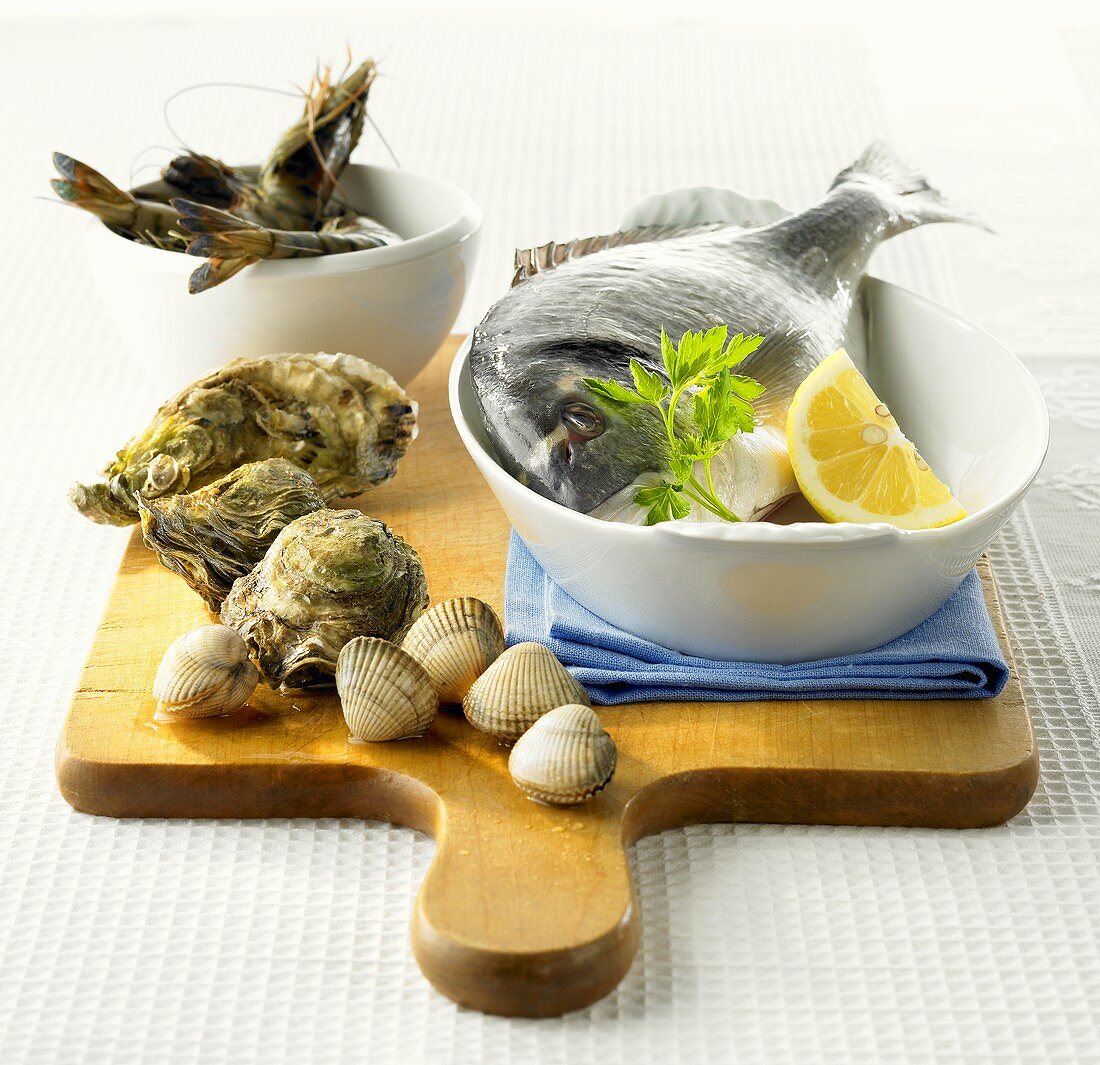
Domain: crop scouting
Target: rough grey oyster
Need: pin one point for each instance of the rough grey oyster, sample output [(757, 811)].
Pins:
[(329, 576), (218, 533), (338, 416)]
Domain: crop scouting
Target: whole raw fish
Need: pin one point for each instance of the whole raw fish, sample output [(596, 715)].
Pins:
[(584, 309)]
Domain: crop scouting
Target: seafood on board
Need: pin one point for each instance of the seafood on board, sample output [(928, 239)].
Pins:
[(606, 381)]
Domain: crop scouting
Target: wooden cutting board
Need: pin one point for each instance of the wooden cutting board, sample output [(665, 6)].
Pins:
[(525, 910)]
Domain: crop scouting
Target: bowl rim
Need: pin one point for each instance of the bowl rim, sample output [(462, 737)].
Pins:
[(461, 228), (804, 534)]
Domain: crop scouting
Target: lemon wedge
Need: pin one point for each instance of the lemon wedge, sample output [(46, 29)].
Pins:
[(851, 460)]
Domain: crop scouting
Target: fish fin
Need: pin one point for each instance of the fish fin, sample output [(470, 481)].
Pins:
[(906, 191), (531, 261), (661, 217), (702, 205)]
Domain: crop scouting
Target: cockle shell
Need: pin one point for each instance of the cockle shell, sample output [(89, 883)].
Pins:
[(563, 758), (205, 673), (455, 641), (524, 683), (384, 692)]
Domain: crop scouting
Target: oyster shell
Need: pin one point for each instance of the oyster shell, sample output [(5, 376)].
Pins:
[(524, 683), (328, 577), (455, 641), (218, 533), (338, 416), (205, 673), (384, 692), (563, 758)]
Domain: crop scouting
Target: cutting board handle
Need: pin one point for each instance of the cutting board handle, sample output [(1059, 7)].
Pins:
[(527, 917)]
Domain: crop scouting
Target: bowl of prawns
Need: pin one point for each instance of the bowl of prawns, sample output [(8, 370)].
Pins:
[(304, 252)]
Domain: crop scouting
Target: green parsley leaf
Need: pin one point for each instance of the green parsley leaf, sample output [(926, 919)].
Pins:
[(724, 408), (739, 349), (707, 405), (741, 416), (663, 502), (669, 355), (681, 458), (697, 353), (613, 391), (746, 387), (694, 446), (698, 370), (649, 385)]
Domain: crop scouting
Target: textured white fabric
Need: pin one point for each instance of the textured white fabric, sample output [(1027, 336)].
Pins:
[(286, 941)]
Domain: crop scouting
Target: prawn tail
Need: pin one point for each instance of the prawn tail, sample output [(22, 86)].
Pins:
[(235, 244), (214, 271), (227, 242), (88, 189), (202, 218)]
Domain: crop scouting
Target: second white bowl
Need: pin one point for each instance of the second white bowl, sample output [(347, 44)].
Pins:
[(393, 305)]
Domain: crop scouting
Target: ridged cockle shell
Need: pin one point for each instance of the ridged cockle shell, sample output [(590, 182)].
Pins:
[(384, 692), (455, 641), (524, 683), (563, 758), (205, 673)]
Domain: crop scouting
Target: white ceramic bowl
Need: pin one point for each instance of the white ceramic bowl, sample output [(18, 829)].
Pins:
[(393, 305), (798, 592)]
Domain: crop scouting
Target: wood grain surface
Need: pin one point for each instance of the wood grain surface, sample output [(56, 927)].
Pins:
[(525, 910)]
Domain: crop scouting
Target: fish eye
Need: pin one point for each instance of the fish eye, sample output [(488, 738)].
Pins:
[(582, 420)]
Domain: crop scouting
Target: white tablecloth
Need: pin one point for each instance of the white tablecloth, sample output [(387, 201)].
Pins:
[(286, 941)]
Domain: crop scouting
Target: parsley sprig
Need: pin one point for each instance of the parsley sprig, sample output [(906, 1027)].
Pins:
[(698, 370)]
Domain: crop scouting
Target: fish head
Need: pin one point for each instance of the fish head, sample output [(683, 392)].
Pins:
[(560, 439)]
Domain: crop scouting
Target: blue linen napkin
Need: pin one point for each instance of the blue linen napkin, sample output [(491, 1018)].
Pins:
[(953, 655)]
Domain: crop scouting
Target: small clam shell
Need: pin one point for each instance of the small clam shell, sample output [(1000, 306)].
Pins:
[(563, 758), (455, 641), (384, 692), (205, 673), (524, 683)]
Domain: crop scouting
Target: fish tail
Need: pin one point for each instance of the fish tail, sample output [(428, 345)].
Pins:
[(911, 199)]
